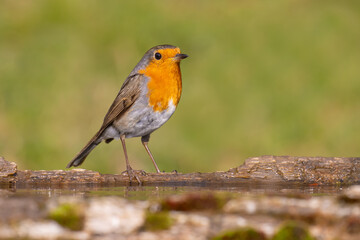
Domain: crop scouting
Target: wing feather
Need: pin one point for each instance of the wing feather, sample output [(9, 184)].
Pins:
[(126, 97)]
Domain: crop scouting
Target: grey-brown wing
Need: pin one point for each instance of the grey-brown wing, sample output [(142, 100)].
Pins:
[(127, 95)]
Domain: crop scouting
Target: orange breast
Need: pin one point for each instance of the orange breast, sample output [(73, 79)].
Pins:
[(164, 84)]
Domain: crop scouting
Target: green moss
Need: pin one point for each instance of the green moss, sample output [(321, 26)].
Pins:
[(155, 221), (241, 234), (68, 215), (293, 231)]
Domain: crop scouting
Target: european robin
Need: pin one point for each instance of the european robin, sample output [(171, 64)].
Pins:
[(146, 100)]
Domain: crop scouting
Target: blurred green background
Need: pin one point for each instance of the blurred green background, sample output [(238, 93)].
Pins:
[(263, 77)]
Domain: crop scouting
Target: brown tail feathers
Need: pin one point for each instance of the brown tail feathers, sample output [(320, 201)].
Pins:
[(81, 156)]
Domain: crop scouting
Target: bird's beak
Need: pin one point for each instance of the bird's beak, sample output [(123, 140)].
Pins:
[(178, 57)]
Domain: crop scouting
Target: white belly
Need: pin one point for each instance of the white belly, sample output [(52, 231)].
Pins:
[(140, 121), (150, 121)]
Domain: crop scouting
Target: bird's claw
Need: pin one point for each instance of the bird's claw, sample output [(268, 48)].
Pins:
[(134, 174)]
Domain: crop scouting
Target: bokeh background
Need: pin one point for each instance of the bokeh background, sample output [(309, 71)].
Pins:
[(263, 77)]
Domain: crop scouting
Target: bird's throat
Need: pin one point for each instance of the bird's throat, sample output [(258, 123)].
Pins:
[(164, 85)]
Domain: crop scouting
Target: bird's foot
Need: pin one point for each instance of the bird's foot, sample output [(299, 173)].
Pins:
[(134, 174)]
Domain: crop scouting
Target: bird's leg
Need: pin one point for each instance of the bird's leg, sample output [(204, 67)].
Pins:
[(129, 170), (145, 140)]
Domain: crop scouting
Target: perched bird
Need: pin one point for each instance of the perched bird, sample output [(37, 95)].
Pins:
[(146, 100)]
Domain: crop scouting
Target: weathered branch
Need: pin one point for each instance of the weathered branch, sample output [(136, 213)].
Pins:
[(264, 169)]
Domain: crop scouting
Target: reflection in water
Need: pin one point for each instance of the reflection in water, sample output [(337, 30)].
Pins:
[(157, 192)]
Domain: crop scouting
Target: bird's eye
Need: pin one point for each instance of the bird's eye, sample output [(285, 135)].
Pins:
[(157, 56)]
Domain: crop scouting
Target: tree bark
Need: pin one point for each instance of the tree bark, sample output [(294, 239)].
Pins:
[(264, 170)]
